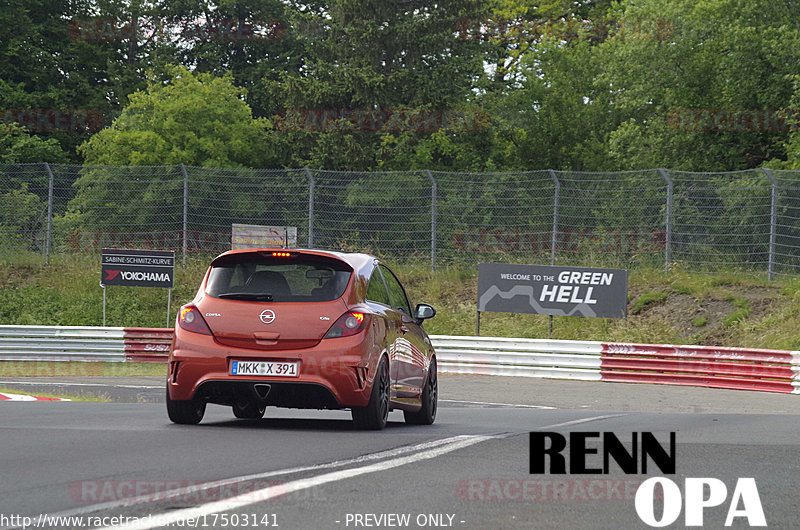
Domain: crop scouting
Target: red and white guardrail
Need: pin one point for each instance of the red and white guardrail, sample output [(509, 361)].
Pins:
[(83, 343), (708, 366)]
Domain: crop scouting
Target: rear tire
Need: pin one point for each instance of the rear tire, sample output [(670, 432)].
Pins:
[(430, 397), (185, 412), (376, 413), (248, 410)]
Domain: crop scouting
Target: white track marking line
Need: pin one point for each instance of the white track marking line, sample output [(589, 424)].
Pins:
[(578, 422), (265, 494), (515, 405), (217, 484)]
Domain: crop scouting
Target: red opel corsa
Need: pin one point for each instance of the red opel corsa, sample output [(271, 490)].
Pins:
[(302, 329)]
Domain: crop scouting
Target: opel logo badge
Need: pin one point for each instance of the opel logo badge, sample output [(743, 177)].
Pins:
[(267, 316)]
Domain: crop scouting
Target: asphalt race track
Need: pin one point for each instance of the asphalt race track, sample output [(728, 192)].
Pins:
[(310, 469)]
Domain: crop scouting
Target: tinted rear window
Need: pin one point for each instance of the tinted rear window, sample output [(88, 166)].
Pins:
[(266, 279)]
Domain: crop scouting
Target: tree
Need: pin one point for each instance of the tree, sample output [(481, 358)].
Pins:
[(543, 95), (195, 119), (791, 119), (252, 39), (191, 119), (700, 94), (374, 70), (49, 66), (19, 146), (24, 184)]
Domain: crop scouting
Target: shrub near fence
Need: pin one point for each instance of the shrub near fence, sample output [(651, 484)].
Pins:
[(748, 220)]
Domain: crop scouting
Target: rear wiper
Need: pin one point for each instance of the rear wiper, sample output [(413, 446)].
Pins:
[(259, 297)]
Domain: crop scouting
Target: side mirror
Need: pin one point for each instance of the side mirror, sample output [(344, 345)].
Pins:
[(423, 312)]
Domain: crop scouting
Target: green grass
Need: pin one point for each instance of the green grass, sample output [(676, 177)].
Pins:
[(647, 300), (742, 311), (67, 293)]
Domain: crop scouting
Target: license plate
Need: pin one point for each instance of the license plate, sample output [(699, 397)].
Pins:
[(264, 368)]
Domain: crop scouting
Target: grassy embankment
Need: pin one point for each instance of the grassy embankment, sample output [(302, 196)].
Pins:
[(729, 309)]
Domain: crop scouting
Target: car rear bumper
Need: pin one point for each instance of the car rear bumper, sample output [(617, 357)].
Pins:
[(335, 373)]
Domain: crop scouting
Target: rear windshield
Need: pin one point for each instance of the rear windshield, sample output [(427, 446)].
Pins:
[(265, 279)]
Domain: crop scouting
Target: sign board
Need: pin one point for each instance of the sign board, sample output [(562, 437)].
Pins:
[(137, 268), (258, 236), (542, 290)]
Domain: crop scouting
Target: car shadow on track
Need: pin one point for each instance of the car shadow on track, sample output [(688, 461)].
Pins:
[(296, 424)]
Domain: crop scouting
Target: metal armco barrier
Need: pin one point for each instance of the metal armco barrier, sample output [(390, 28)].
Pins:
[(84, 343), (705, 366), (561, 359)]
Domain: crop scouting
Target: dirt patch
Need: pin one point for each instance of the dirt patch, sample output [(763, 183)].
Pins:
[(705, 321), (15, 276)]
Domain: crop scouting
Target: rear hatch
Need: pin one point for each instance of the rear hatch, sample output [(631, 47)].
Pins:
[(265, 302)]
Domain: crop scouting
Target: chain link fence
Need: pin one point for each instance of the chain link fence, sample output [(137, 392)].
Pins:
[(743, 220)]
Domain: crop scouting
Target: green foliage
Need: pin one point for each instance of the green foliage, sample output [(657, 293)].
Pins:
[(647, 300), (195, 119), (715, 56), (743, 309), (792, 117), (67, 293), (736, 316), (19, 216), (392, 57), (558, 84), (18, 146)]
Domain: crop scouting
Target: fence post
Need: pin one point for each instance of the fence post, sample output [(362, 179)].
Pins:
[(668, 220), (773, 222), (556, 194), (434, 190), (50, 187), (185, 211), (310, 207)]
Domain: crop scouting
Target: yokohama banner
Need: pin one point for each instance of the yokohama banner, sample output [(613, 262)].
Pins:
[(138, 268)]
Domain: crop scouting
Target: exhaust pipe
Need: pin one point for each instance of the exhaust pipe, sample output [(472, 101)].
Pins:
[(262, 390)]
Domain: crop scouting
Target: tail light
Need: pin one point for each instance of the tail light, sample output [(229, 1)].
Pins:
[(347, 325), (190, 319)]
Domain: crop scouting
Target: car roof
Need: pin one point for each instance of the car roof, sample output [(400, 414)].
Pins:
[(358, 261)]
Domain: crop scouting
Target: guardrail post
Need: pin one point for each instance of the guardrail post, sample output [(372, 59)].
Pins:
[(434, 190), (310, 207), (556, 194), (185, 211), (50, 187), (668, 219), (773, 222)]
